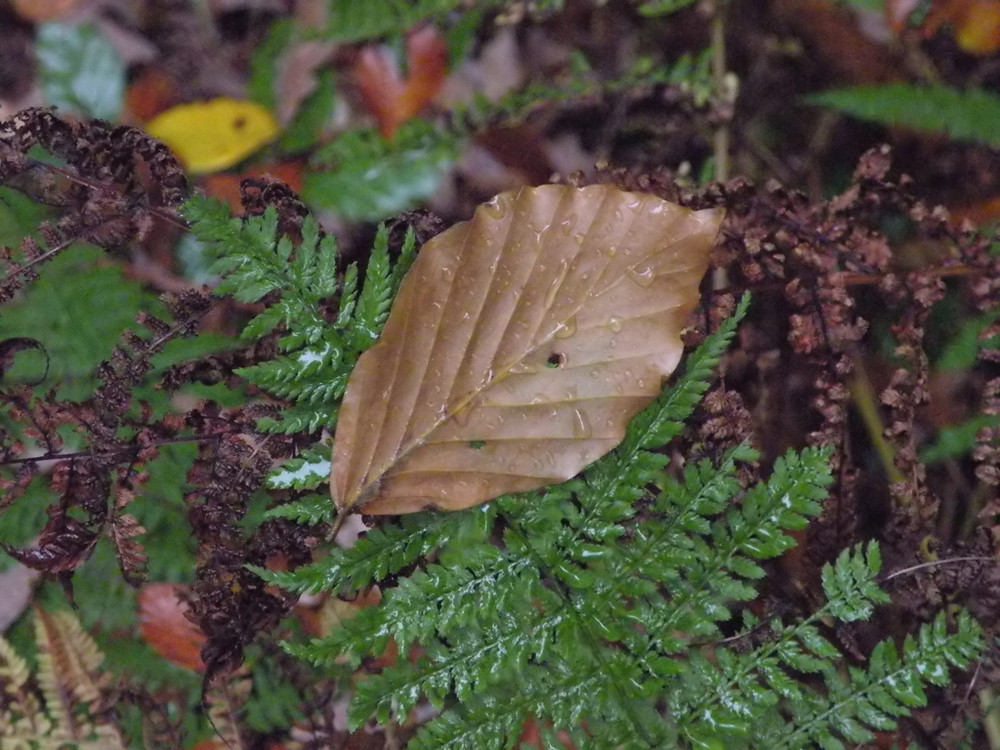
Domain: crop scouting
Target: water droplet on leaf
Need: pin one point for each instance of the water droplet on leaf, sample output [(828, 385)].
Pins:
[(553, 290), (567, 329), (643, 277), (581, 425), (463, 414), (493, 209)]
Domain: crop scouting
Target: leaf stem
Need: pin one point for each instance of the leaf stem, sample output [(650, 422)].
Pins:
[(721, 137), (863, 396)]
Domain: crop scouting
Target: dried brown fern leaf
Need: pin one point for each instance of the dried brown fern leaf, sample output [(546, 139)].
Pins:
[(73, 689)]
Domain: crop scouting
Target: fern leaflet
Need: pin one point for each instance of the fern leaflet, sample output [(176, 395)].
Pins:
[(970, 115)]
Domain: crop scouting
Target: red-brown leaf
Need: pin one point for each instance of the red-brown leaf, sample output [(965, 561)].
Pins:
[(166, 628), (392, 100)]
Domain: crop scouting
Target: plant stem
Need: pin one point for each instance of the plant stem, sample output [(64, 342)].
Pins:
[(721, 137), (863, 396)]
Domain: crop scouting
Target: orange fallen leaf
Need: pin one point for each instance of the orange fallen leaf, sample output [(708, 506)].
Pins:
[(226, 187), (166, 628), (977, 31), (392, 100), (976, 24), (519, 347), (151, 93), (42, 11)]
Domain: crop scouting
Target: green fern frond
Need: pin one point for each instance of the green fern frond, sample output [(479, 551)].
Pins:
[(253, 261), (892, 686), (407, 254), (380, 553), (364, 176), (310, 510), (721, 567), (850, 584), (306, 472), (493, 602), (971, 115), (376, 296), (749, 687), (354, 20), (306, 418), (382, 280), (614, 483)]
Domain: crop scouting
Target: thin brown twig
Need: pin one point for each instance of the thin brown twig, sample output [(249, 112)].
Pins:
[(95, 185), (935, 563), (850, 278), (124, 451)]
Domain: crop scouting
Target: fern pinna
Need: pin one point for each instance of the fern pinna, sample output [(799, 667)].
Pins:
[(591, 606), (317, 357), (66, 700)]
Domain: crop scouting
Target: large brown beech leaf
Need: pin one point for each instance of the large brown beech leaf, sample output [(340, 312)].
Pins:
[(520, 346)]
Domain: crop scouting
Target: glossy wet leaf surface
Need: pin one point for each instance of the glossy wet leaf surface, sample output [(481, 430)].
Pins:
[(519, 347)]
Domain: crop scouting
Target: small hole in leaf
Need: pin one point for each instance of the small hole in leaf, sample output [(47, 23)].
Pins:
[(477, 445), (555, 360)]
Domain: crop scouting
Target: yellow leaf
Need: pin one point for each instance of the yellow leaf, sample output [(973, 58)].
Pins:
[(210, 136), (520, 346)]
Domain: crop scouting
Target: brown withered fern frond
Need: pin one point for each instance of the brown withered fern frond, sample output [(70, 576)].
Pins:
[(821, 272), (117, 183)]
